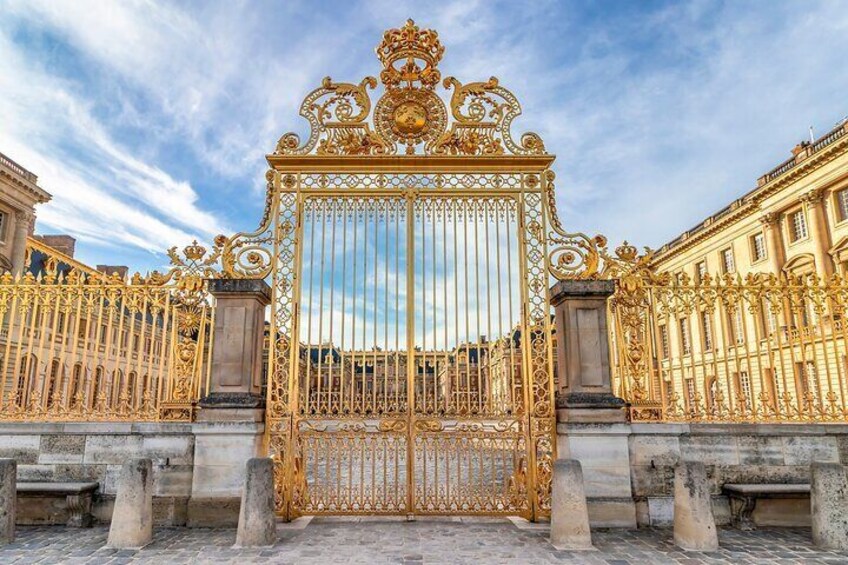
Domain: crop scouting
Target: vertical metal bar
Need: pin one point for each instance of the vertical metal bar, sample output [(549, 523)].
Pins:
[(410, 354)]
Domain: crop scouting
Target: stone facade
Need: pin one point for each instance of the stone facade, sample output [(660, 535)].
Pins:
[(96, 452), (732, 453)]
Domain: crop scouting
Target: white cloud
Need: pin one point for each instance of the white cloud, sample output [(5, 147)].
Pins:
[(105, 195)]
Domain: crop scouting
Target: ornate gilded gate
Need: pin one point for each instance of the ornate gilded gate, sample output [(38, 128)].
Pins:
[(410, 366)]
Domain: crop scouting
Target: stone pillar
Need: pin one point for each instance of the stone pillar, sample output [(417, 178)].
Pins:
[(829, 506), (132, 517), (257, 524), (229, 427), (8, 499), (774, 242), (592, 423), (694, 525), (22, 224), (569, 512), (819, 233), (236, 374)]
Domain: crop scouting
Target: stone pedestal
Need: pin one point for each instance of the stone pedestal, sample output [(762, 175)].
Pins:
[(829, 506), (257, 525), (694, 525), (8, 499), (132, 518), (569, 512), (229, 427), (591, 422)]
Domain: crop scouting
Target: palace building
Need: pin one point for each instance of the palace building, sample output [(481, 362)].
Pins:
[(727, 342), (795, 221)]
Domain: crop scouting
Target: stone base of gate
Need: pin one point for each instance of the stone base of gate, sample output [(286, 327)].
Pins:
[(220, 452), (603, 452)]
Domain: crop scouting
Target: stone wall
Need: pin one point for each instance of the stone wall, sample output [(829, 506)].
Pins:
[(95, 452), (732, 453)]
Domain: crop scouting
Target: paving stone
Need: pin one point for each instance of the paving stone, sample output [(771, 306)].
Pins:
[(421, 542)]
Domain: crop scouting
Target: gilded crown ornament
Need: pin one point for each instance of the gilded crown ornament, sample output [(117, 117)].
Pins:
[(410, 46)]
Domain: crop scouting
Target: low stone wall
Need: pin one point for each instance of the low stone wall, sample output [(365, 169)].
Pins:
[(87, 451), (732, 453)]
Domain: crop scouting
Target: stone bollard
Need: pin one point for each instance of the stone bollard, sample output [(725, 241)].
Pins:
[(132, 518), (829, 506), (694, 525), (569, 512), (257, 524), (8, 499)]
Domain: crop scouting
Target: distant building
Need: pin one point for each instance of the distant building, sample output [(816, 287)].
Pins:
[(19, 194)]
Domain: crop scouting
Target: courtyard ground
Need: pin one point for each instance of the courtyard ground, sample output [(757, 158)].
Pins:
[(446, 540)]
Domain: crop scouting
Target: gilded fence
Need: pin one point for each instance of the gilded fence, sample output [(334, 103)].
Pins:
[(759, 348), (76, 344)]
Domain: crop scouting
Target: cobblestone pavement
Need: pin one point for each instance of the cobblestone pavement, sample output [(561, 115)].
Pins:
[(425, 541)]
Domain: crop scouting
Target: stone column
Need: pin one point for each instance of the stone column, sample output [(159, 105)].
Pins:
[(569, 512), (774, 242), (22, 224), (592, 423), (132, 518), (694, 525), (829, 506), (8, 499), (814, 202), (230, 423), (257, 525)]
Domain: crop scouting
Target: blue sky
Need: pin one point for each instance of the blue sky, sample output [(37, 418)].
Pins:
[(149, 121)]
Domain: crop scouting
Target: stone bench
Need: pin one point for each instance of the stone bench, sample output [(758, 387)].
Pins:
[(55, 503), (743, 499)]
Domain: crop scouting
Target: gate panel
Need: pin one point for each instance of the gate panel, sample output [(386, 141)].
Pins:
[(469, 418), (350, 427)]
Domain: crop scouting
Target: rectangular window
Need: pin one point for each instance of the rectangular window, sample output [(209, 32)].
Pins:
[(706, 329), (727, 261), (807, 376), (685, 342), (758, 247), (735, 325), (842, 204), (664, 341), (701, 270), (798, 223), (744, 382), (3, 226), (690, 391)]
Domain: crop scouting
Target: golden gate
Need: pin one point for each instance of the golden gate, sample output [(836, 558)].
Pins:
[(411, 361)]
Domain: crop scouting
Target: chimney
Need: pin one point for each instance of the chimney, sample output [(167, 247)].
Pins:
[(109, 270), (62, 243)]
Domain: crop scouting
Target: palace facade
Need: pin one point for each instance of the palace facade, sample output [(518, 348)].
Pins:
[(728, 342)]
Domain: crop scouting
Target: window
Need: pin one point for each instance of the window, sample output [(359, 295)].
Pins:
[(743, 381), (707, 331), (735, 325), (701, 270), (690, 391), (807, 377), (727, 261), (798, 225), (3, 222), (664, 341), (841, 204), (758, 247), (685, 342)]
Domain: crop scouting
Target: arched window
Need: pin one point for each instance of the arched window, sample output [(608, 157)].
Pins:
[(131, 387), (76, 382), (54, 382), (26, 379), (96, 386)]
